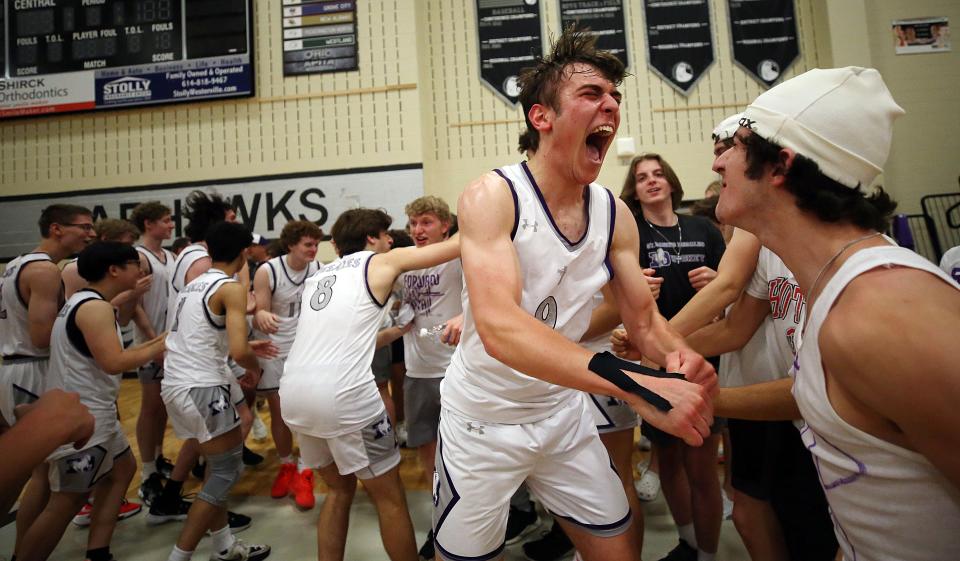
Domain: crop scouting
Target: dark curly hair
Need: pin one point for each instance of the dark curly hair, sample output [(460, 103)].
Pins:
[(539, 84), (827, 199), (203, 211)]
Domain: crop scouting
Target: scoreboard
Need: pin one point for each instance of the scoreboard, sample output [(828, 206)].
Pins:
[(60, 56)]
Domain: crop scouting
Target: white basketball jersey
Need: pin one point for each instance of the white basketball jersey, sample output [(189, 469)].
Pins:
[(286, 286), (178, 278), (435, 296), (327, 388), (197, 344), (14, 325), (156, 300), (560, 278), (773, 282), (887, 502), (73, 368)]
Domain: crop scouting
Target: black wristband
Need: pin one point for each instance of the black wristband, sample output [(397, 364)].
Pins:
[(611, 368)]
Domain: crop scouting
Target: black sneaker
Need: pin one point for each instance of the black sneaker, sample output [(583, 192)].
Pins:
[(427, 551), (519, 524), (683, 552), (162, 511), (553, 545), (164, 467), (251, 458), (238, 522), (150, 489)]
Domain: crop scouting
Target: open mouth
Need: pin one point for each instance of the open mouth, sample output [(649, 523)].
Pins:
[(597, 142)]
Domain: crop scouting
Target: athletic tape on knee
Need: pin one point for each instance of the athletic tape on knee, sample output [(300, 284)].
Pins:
[(224, 471), (611, 368)]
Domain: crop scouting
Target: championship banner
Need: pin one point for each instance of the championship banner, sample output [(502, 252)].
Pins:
[(604, 18), (263, 204), (764, 36), (679, 40), (509, 38), (319, 36)]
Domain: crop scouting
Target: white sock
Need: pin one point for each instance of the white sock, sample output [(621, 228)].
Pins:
[(179, 555), (704, 556), (288, 460), (688, 534), (222, 539), (148, 469)]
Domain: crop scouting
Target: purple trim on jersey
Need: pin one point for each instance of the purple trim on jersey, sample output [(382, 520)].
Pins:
[(613, 223), (546, 210), (599, 527), (516, 204), (144, 251), (32, 395), (176, 268), (306, 273), (273, 283), (366, 283), (861, 467), (74, 334), (203, 301), (610, 424), (20, 268)]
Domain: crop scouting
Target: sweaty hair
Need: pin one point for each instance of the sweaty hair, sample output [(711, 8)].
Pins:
[(178, 245), (112, 229), (401, 238), (352, 228), (152, 210), (539, 84), (295, 230), (629, 192), (828, 200), (432, 205), (203, 211), (59, 214), (227, 240), (97, 258)]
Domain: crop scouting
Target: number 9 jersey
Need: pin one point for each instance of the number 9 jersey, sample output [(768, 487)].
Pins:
[(327, 388)]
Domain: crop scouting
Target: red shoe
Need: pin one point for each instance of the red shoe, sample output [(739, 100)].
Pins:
[(83, 517), (281, 485), (128, 509), (303, 489)]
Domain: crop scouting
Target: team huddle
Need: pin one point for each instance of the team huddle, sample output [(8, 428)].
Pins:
[(507, 326)]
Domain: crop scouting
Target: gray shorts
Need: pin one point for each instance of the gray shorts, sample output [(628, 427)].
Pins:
[(80, 471), (421, 406), (150, 373), (203, 413), (382, 359), (22, 381), (613, 415), (367, 453)]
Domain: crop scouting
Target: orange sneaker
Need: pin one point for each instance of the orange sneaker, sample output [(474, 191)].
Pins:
[(303, 489), (281, 485)]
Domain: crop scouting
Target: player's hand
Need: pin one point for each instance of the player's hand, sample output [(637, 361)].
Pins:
[(622, 347), (143, 285), (695, 369), (654, 281), (62, 412), (250, 379), (701, 277), (689, 418), (266, 322), (452, 330), (264, 348)]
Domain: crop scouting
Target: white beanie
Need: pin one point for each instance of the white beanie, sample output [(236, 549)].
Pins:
[(726, 128), (841, 118)]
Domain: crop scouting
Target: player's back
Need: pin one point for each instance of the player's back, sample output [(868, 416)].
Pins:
[(327, 386), (156, 300), (14, 324), (178, 277), (197, 344)]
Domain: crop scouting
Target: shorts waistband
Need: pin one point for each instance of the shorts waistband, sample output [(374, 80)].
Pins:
[(14, 359)]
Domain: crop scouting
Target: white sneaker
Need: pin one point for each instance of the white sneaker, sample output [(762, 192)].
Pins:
[(643, 444), (259, 430), (648, 486), (402, 434), (727, 506), (240, 551)]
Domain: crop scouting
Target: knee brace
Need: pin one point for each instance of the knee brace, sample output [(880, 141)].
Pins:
[(224, 471)]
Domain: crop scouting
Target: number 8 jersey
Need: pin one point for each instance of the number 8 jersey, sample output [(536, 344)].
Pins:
[(327, 388), (560, 278)]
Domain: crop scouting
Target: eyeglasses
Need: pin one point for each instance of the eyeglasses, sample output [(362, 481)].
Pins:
[(87, 227)]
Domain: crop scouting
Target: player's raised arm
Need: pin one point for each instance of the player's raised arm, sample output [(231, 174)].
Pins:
[(386, 267)]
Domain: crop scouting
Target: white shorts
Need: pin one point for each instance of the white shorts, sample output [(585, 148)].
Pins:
[(272, 370), (612, 414), (80, 471), (480, 465), (22, 381), (203, 413), (366, 453)]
